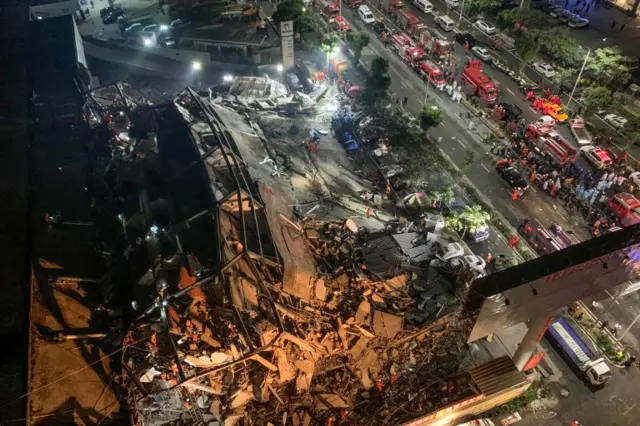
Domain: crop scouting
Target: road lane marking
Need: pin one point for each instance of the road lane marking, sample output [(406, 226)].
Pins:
[(510, 91), (460, 142), (486, 168), (612, 296), (404, 85)]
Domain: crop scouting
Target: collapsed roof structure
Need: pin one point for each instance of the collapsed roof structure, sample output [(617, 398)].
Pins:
[(249, 315)]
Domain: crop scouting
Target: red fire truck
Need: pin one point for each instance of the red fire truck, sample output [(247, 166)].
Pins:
[(399, 42), (341, 24), (392, 6), (550, 240), (410, 23), (412, 55), (432, 73), (436, 46), (537, 130), (476, 82), (557, 149), (329, 10), (626, 208)]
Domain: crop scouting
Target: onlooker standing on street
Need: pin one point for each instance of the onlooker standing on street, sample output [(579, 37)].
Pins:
[(613, 24), (405, 101), (91, 4), (622, 27)]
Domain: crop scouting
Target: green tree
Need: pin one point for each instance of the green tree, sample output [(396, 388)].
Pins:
[(531, 19), (632, 130), (527, 49), (609, 67), (596, 98), (430, 117), (376, 86), (470, 219), (474, 7), (294, 10), (560, 46), (442, 195), (421, 163), (503, 262), (329, 44), (356, 42), (565, 77)]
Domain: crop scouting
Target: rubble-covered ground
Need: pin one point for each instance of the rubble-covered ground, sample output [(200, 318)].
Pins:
[(263, 293)]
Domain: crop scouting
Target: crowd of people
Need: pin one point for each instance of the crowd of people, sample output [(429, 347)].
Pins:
[(583, 191)]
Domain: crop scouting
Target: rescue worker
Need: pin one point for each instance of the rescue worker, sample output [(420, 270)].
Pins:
[(529, 95), (488, 259), (514, 195), (513, 241), (466, 47)]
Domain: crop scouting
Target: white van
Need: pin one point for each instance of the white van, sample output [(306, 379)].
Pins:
[(445, 22), (366, 15), (423, 5)]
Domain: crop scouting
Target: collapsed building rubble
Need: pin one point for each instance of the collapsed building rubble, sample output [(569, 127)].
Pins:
[(248, 314)]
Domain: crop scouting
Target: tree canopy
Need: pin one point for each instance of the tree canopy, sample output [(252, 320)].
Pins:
[(531, 19), (560, 46), (430, 117), (474, 7), (442, 195), (609, 67), (596, 98), (470, 218), (294, 10), (632, 129), (376, 85), (527, 48), (356, 42)]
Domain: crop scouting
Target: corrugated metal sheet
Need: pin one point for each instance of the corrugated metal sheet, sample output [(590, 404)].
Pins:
[(496, 376), (405, 241), (381, 244)]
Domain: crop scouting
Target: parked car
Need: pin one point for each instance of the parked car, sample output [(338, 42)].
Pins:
[(511, 111), (615, 120), (108, 10), (566, 16), (578, 22), (133, 30), (151, 29), (366, 15), (452, 3), (444, 22), (598, 157), (481, 53), (513, 177), (544, 68), (485, 27), (555, 11), (424, 5), (167, 41), (112, 17), (464, 38)]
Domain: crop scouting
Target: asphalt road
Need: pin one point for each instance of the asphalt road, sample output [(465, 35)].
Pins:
[(509, 91)]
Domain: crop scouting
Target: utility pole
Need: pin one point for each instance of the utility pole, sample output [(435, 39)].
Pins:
[(461, 9), (575, 86)]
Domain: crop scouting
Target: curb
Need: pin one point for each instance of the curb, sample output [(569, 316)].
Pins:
[(593, 340)]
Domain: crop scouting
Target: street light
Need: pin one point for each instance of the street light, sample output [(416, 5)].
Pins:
[(227, 78), (196, 65), (461, 9), (575, 86), (279, 68)]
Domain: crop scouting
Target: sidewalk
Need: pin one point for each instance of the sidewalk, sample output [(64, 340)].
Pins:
[(600, 336)]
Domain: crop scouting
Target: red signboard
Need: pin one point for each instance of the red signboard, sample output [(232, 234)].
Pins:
[(547, 323), (534, 361)]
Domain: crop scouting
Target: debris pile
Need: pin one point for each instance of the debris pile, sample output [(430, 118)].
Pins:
[(343, 348), (291, 325)]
